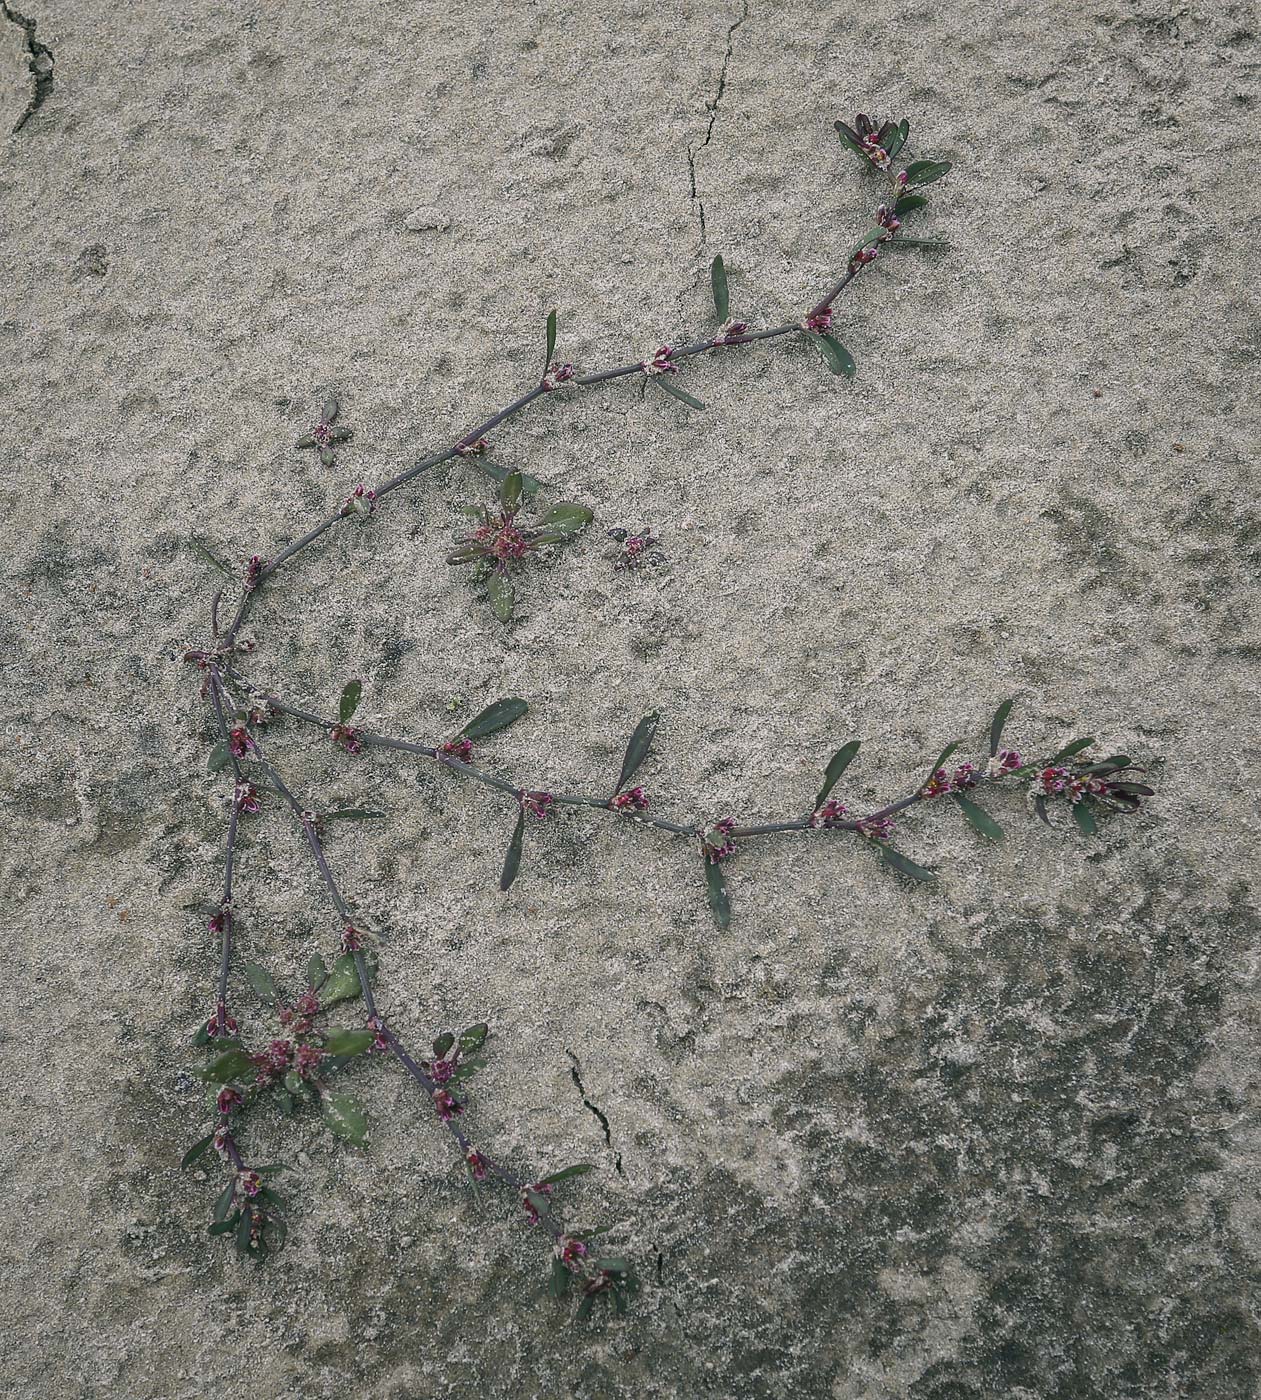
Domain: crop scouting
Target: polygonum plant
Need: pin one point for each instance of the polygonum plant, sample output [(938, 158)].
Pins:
[(500, 542), (298, 1056)]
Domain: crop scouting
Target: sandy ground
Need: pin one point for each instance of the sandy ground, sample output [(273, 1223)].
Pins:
[(996, 1138)]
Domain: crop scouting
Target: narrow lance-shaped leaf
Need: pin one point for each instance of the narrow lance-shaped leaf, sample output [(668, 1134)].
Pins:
[(348, 1042), (996, 724), (349, 702), (1069, 750), (196, 1151), (206, 552), (558, 1283), (502, 596), (512, 861), (567, 518), (718, 282), (849, 137), (835, 355), (873, 235), (228, 1066), (716, 889), (978, 818), (925, 172), (495, 717), (223, 1203), (940, 763), (675, 392), (343, 1114), (1085, 818), (578, 1169), (260, 980), (551, 340), (530, 485), (935, 244), (510, 491), (837, 765), (316, 973), (352, 814), (904, 865), (638, 748)]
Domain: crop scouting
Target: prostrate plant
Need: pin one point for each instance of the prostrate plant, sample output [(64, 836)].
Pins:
[(310, 1062)]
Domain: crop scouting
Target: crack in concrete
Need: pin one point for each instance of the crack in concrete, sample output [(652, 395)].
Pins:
[(712, 106), (604, 1122), (39, 61)]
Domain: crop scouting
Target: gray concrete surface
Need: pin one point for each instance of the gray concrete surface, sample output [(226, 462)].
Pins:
[(997, 1138)]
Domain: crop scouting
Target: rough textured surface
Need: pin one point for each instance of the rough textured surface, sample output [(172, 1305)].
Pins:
[(994, 1139)]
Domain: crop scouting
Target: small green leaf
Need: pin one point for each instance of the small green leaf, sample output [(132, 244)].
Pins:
[(1069, 750), (220, 757), (585, 1307), (223, 1204), (244, 1234), (349, 702), (196, 1150), (442, 1044), (353, 814), (835, 355), (343, 1114), (342, 983), (613, 1266), (209, 554), (330, 410), (530, 485), (347, 1042), (664, 382), (551, 340), (941, 763), (316, 973), (978, 818), (908, 204), (295, 1083), (502, 596), (512, 861), (638, 749), (925, 172), (718, 283), (466, 554), (1085, 818), (473, 1037), (230, 1065), (837, 765), (568, 518), (931, 243), (716, 889), (873, 235), (559, 1281), (580, 1169), (897, 137), (225, 1227), (849, 137), (1039, 806), (493, 718), (260, 980), (996, 724), (904, 865), (510, 492)]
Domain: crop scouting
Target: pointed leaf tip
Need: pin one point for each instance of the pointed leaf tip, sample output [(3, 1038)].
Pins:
[(512, 861), (349, 701), (638, 749)]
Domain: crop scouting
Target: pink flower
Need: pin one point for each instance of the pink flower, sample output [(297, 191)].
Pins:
[(218, 922), (538, 804), (819, 320), (308, 1059), (381, 1040), (1005, 761), (249, 1182), (965, 777), (876, 828), (246, 798), (229, 1099), (938, 784), (659, 362), (716, 842), (446, 1104), (458, 748), (221, 1024), (475, 448), (886, 218), (729, 330), (632, 800), (864, 256), (570, 1251), (557, 375), (239, 742), (477, 1164), (352, 939), (254, 570), (829, 814), (348, 736), (534, 1188)]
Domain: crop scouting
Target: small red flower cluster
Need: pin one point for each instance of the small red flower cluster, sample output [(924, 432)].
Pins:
[(239, 742), (632, 800), (716, 842), (876, 828), (556, 376), (659, 362), (458, 748), (361, 501), (819, 320), (348, 737), (538, 804), (942, 782), (832, 812)]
